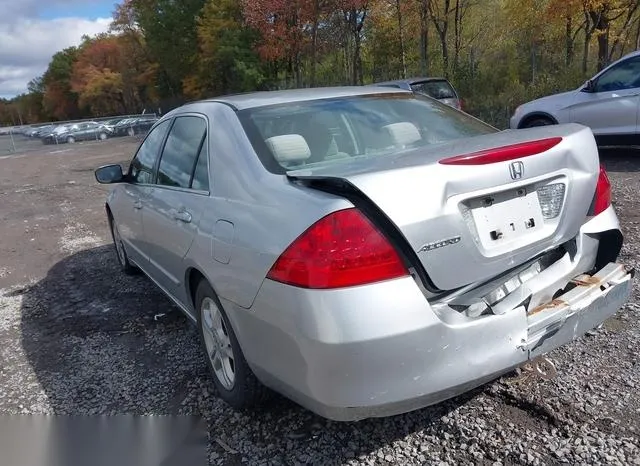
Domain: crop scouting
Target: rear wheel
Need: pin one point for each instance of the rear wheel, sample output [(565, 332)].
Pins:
[(71, 139), (121, 253), (232, 376), (538, 121), (102, 136)]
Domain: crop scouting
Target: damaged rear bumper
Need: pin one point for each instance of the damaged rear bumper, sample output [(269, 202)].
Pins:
[(591, 301), (383, 349)]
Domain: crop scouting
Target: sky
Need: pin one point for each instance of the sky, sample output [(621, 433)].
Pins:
[(31, 31)]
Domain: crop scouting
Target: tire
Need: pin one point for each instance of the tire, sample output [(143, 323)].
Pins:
[(234, 381), (71, 139), (131, 132), (123, 259), (538, 121), (102, 136)]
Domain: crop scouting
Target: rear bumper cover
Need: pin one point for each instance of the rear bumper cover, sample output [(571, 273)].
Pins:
[(382, 349)]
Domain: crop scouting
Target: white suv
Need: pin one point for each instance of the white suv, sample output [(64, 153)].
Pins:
[(608, 103)]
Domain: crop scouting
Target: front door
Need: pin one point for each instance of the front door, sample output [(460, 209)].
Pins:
[(176, 202), (612, 107), (128, 209)]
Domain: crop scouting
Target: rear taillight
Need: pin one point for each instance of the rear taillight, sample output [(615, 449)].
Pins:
[(602, 197), (342, 249), (503, 154)]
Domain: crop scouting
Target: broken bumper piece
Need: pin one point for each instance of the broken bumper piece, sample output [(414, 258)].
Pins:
[(592, 300)]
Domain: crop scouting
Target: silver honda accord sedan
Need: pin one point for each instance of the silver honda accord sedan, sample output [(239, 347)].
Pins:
[(367, 251)]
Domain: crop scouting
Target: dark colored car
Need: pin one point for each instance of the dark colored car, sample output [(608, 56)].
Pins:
[(55, 134), (438, 88), (37, 131), (111, 124), (133, 126), (86, 131)]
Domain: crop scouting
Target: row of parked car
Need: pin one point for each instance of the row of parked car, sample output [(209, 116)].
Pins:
[(90, 130)]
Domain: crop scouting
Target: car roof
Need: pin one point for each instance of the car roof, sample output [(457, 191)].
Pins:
[(264, 98), (630, 54)]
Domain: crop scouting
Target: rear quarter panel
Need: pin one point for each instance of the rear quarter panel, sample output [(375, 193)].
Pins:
[(253, 215)]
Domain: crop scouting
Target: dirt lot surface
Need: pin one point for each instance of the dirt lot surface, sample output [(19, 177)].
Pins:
[(77, 337)]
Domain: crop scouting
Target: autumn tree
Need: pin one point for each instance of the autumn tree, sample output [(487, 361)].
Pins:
[(139, 71), (226, 60), (170, 31), (497, 53), (355, 14), (283, 26), (59, 99)]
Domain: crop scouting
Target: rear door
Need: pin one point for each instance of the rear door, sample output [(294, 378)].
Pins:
[(87, 131), (174, 205), (613, 106)]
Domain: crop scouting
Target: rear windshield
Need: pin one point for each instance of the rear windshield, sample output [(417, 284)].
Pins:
[(435, 89), (309, 133)]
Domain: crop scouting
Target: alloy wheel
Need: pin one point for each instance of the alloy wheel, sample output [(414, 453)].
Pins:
[(218, 343)]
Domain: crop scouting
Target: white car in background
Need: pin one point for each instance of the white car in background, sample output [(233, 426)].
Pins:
[(608, 103)]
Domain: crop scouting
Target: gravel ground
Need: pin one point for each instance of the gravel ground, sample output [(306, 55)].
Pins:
[(17, 143), (76, 337)]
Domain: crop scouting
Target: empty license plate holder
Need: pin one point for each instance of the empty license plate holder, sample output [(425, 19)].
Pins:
[(506, 217)]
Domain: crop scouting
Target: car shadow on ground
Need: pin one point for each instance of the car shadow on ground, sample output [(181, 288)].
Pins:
[(91, 336)]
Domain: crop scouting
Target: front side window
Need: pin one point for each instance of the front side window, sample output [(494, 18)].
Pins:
[(181, 151), (141, 168), (330, 131), (625, 75)]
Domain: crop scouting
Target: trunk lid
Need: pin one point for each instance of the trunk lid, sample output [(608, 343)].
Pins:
[(469, 223)]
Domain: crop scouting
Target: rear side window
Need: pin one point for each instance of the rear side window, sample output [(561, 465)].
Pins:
[(201, 173), (435, 89), (181, 151)]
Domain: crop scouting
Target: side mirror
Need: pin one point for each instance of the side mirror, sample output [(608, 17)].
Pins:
[(109, 174), (589, 86)]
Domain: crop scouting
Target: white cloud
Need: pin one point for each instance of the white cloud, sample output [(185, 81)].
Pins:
[(27, 45)]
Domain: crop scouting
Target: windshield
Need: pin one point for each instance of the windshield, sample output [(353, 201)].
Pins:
[(435, 89), (300, 134)]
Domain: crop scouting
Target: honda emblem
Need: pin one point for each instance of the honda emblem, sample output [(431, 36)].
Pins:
[(516, 169)]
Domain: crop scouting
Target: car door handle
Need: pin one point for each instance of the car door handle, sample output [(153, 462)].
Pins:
[(182, 216), (137, 204)]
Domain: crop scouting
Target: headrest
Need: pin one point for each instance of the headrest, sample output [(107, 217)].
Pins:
[(403, 133), (288, 148)]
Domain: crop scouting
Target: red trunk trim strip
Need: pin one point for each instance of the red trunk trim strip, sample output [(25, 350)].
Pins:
[(503, 154)]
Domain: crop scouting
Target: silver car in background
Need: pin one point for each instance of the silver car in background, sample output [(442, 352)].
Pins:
[(367, 251), (608, 103)]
